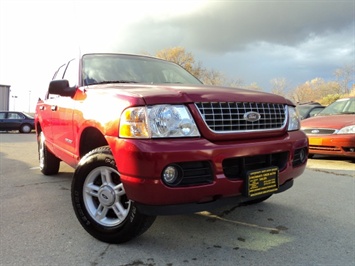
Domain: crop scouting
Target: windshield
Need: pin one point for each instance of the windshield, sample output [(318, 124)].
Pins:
[(342, 106), (116, 68)]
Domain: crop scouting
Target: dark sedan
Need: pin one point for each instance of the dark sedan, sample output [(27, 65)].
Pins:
[(309, 110), (11, 120)]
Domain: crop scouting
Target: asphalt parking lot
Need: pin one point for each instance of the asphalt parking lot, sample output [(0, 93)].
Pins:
[(311, 224)]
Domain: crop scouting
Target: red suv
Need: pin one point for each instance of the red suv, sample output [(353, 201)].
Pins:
[(146, 138)]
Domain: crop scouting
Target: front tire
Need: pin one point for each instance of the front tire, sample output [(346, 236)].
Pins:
[(48, 162), (100, 202)]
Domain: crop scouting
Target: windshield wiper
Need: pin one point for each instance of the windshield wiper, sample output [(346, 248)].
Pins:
[(346, 113), (115, 81)]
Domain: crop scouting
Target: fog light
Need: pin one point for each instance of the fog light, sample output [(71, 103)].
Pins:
[(303, 155), (170, 174)]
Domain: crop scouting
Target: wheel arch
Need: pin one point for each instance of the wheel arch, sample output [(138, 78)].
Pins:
[(90, 139), (38, 129)]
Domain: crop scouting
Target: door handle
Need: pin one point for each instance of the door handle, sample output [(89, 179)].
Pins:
[(41, 108), (54, 107)]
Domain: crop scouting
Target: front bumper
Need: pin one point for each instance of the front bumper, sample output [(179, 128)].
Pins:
[(141, 162), (339, 145), (205, 206)]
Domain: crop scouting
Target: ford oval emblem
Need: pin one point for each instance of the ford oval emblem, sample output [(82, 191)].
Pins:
[(252, 116), (315, 131)]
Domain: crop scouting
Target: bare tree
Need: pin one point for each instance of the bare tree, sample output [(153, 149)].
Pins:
[(212, 77), (179, 56), (253, 86), (237, 83), (279, 86), (314, 90), (345, 76), (186, 60)]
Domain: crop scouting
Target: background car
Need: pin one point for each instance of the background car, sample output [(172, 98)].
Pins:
[(10, 120), (332, 131), (309, 110)]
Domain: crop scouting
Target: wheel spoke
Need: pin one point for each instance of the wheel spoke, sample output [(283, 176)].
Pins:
[(101, 212), (119, 190), (92, 190), (119, 210), (106, 176)]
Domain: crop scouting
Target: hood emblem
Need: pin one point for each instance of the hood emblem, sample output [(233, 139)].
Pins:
[(252, 116)]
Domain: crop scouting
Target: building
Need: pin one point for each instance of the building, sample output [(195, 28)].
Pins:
[(4, 97)]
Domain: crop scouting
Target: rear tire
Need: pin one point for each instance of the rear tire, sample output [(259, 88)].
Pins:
[(48, 162), (100, 202), (25, 128)]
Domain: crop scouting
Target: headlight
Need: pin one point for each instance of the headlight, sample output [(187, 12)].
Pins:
[(293, 119), (347, 130), (158, 121)]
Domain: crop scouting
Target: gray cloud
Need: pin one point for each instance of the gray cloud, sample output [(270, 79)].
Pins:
[(235, 24), (225, 26), (257, 41)]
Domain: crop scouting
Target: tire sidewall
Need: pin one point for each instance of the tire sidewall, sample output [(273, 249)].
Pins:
[(115, 234), (50, 163), (25, 128)]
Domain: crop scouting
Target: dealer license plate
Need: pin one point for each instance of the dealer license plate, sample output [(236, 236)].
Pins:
[(262, 181), (315, 141)]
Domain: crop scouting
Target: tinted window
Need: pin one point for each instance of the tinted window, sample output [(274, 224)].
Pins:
[(14, 116), (2, 115)]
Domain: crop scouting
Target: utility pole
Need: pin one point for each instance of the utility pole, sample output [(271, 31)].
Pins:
[(29, 101)]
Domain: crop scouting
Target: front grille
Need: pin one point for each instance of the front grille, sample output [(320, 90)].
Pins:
[(310, 131), (230, 116), (196, 173), (234, 168)]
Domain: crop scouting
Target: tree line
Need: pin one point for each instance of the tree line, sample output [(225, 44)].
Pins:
[(316, 90)]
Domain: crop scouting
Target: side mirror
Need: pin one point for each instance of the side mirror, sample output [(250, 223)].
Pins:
[(61, 87)]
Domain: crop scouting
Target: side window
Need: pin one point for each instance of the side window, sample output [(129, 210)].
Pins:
[(2, 115), (59, 73), (13, 116), (72, 73)]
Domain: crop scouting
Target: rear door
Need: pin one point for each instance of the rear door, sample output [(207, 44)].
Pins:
[(45, 111), (62, 116)]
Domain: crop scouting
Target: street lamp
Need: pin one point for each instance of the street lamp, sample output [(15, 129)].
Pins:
[(15, 97)]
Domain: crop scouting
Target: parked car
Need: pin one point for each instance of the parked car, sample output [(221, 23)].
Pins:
[(332, 131), (11, 120), (308, 110), (147, 138)]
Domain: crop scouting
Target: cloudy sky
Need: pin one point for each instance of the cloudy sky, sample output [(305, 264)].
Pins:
[(252, 41)]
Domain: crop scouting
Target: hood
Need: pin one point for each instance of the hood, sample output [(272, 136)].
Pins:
[(159, 94), (329, 121)]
